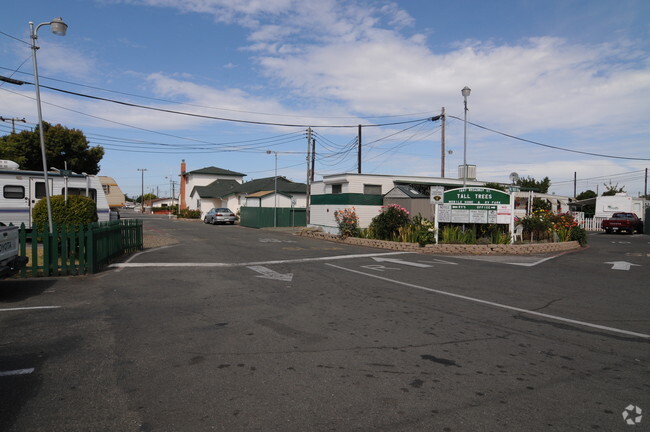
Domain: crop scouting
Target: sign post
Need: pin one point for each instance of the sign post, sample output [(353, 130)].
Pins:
[(437, 197)]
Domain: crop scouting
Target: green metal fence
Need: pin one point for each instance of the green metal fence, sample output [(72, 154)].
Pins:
[(78, 249), (261, 217)]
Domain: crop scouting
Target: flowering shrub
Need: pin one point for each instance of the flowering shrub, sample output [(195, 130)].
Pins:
[(542, 223), (348, 222), (386, 224)]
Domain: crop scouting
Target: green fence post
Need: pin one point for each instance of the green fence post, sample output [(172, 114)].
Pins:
[(90, 248)]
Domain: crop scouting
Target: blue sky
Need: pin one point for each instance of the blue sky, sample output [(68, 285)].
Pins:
[(568, 74)]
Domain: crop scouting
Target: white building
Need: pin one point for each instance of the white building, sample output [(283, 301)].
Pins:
[(364, 192)]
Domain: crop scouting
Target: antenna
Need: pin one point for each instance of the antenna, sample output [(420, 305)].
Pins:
[(514, 177)]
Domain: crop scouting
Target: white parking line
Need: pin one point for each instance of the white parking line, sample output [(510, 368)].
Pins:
[(29, 308), (246, 264), (498, 305), (16, 372)]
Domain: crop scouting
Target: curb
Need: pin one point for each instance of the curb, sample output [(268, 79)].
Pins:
[(449, 249)]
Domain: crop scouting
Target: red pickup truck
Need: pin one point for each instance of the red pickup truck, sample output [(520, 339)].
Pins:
[(620, 222)]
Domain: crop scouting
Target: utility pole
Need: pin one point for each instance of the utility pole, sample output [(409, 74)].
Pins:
[(575, 183), (13, 122), (307, 212), (359, 156), (142, 195), (442, 144), (313, 158)]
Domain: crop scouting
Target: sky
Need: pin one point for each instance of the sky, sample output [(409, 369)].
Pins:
[(558, 88)]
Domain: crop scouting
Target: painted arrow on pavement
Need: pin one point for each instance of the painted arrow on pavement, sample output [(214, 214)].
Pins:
[(399, 261), (621, 265), (267, 273)]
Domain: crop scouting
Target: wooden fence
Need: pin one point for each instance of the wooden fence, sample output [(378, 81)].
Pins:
[(78, 249)]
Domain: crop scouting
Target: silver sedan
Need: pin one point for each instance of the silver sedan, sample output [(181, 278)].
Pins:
[(219, 215)]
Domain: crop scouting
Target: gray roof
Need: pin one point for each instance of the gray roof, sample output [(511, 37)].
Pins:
[(405, 190), (216, 189), (212, 170), (224, 188)]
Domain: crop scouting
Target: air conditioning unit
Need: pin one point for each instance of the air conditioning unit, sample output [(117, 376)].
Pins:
[(467, 171)]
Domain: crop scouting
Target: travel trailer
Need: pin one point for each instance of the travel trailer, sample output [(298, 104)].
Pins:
[(606, 206), (114, 196), (21, 190)]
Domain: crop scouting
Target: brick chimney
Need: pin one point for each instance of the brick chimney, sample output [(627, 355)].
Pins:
[(183, 185)]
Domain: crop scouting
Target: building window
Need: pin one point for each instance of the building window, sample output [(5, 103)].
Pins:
[(371, 189), (337, 188), (13, 192), (107, 189)]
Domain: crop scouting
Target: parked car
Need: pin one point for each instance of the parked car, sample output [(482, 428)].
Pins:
[(620, 222), (219, 215), (10, 260)]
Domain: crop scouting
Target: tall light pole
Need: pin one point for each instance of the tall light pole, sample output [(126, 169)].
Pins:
[(142, 192), (58, 28), (465, 92), (275, 194)]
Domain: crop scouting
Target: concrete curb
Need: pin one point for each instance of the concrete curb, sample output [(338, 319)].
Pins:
[(449, 249)]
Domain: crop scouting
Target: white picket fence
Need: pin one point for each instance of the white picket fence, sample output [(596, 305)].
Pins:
[(592, 224)]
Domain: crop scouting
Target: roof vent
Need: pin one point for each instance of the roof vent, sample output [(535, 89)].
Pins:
[(8, 165)]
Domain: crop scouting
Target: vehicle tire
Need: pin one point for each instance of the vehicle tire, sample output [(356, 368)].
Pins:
[(608, 231), (232, 223), (205, 220)]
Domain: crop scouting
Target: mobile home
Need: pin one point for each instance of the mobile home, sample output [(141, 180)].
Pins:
[(21, 190)]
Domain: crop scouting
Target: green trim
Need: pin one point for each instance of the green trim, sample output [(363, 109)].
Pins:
[(347, 198)]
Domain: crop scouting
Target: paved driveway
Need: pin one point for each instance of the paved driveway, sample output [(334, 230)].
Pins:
[(239, 329)]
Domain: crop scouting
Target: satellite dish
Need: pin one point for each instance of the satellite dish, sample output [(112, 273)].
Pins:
[(514, 177)]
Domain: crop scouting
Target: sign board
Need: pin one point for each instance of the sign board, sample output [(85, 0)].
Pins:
[(475, 205), (437, 193)]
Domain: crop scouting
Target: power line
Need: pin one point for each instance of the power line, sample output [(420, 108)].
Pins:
[(254, 122), (219, 108), (548, 145)]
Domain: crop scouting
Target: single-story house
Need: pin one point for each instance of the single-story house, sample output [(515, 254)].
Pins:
[(203, 177), (255, 193), (365, 192)]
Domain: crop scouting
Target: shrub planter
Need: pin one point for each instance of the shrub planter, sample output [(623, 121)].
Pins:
[(449, 249)]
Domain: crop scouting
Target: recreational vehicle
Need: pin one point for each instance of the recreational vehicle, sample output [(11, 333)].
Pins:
[(114, 196), (21, 190)]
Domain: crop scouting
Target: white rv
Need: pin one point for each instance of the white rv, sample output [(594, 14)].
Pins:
[(21, 190), (606, 206)]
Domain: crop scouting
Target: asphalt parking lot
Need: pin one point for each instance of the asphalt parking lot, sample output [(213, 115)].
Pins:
[(228, 328)]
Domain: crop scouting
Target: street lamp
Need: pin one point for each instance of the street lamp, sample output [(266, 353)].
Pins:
[(465, 92), (275, 194), (58, 27)]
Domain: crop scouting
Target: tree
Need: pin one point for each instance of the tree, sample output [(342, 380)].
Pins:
[(586, 195), (147, 197), (61, 144), (529, 183), (494, 185), (612, 189)]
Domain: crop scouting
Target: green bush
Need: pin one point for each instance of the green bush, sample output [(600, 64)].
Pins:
[(419, 230), (78, 210), (579, 234), (386, 224), (189, 214), (453, 234)]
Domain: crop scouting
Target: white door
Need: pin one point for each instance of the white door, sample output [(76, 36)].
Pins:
[(36, 193)]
